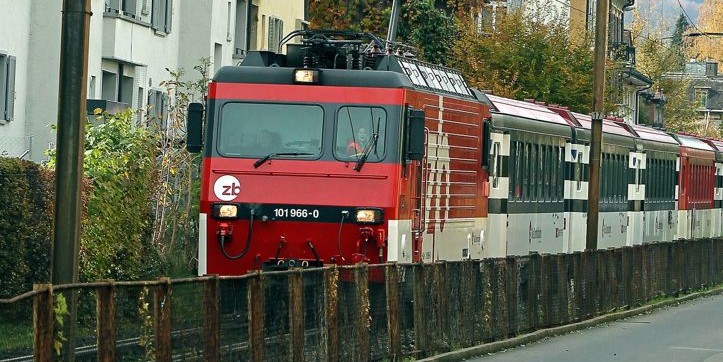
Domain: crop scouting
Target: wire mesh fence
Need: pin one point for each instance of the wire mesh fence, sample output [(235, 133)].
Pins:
[(346, 313)]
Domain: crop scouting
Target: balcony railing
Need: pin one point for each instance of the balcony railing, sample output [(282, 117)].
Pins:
[(622, 52)]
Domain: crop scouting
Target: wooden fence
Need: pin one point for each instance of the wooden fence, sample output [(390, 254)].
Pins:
[(359, 313)]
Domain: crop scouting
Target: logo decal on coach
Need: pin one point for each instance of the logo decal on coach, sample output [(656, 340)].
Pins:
[(227, 187)]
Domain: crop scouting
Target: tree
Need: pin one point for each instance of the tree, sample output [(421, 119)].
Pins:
[(429, 29), (660, 62), (677, 44), (422, 23), (710, 19), (176, 195), (524, 56)]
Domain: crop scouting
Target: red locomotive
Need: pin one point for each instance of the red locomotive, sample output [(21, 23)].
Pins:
[(338, 152)]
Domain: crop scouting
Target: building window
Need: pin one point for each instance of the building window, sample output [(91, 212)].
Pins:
[(161, 16), (7, 87), (276, 33), (701, 98), (156, 116), (109, 86), (122, 7)]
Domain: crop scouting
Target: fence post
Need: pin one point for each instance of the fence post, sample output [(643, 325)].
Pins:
[(487, 290), (43, 325), (331, 300), (503, 310), (545, 295), (512, 287), (162, 319), (256, 316), (533, 280), (211, 319), (575, 299), (420, 317), (441, 309), (296, 314), (470, 305), (105, 321), (393, 327), (563, 286), (600, 276), (361, 280)]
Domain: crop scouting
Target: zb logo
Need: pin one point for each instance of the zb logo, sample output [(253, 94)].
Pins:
[(227, 188)]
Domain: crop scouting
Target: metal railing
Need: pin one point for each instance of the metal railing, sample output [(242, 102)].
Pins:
[(354, 313)]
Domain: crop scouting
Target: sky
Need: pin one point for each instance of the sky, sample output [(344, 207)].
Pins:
[(669, 10)]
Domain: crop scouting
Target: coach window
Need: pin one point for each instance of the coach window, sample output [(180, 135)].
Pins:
[(671, 180), (605, 179), (553, 173), (578, 171), (533, 171), (647, 181), (496, 165), (540, 172), (626, 176), (615, 187), (547, 171), (526, 173), (637, 173), (561, 172), (518, 171), (359, 130), (511, 173)]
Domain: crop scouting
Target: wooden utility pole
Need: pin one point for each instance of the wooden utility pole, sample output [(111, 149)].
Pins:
[(598, 85), (69, 158)]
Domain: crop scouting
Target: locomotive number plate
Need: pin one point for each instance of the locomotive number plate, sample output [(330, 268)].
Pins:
[(296, 213)]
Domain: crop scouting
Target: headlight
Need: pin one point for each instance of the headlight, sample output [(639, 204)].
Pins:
[(225, 211), (305, 75), (369, 216)]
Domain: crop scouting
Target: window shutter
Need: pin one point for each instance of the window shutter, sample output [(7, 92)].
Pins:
[(279, 33), (169, 15), (10, 107), (152, 104), (155, 14), (272, 34), (3, 85)]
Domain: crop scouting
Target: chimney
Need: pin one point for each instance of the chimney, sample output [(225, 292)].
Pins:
[(711, 68)]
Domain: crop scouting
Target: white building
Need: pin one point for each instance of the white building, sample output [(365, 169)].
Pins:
[(132, 43)]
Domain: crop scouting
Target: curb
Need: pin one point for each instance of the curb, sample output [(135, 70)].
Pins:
[(493, 347)]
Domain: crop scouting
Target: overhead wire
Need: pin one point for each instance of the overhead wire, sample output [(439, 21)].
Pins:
[(691, 20)]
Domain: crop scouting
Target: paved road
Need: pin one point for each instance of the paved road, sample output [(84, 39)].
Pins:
[(688, 332)]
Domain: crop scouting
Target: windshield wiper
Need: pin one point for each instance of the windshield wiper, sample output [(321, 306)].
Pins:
[(274, 154), (365, 155)]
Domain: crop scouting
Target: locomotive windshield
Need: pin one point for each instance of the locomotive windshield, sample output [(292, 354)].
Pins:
[(259, 129), (360, 131)]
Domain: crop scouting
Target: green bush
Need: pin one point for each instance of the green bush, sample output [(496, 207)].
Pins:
[(119, 163), (26, 219)]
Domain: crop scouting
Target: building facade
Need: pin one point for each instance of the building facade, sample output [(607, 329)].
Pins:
[(706, 91), (133, 45)]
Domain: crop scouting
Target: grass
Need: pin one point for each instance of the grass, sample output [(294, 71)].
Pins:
[(15, 336)]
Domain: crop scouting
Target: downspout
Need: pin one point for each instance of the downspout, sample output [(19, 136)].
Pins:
[(249, 6)]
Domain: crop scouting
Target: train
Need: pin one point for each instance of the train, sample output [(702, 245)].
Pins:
[(348, 149)]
